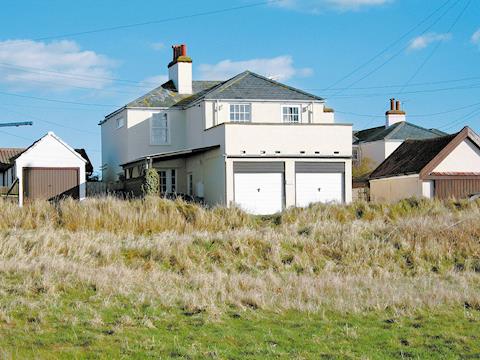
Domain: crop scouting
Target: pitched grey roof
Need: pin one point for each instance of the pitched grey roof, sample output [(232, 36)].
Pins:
[(398, 131), (249, 85), (166, 95), (246, 85)]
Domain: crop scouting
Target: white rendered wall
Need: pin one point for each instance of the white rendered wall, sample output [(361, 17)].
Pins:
[(289, 177), (395, 188), (49, 152), (181, 75), (464, 158)]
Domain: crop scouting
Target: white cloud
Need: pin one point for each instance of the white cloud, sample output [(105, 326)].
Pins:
[(157, 46), (58, 65), (421, 42), (318, 6), (476, 37), (280, 68)]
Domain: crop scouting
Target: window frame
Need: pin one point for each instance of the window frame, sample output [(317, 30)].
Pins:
[(168, 128), (120, 122), (190, 183), (239, 104), (298, 106)]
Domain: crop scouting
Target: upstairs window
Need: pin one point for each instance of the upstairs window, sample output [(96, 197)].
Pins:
[(291, 113), (159, 129), (120, 122), (240, 112)]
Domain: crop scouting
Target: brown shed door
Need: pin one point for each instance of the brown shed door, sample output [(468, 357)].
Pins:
[(456, 188), (47, 183)]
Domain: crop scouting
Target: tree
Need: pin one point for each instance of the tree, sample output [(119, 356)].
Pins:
[(363, 168)]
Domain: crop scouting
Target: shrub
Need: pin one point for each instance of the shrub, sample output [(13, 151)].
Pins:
[(151, 185)]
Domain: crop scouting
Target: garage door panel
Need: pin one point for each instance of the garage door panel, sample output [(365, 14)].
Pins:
[(48, 183), (259, 193), (319, 187)]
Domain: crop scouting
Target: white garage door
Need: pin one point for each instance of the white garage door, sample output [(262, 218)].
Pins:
[(259, 193), (321, 186)]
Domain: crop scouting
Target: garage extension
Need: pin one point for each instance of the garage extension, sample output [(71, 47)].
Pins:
[(47, 169)]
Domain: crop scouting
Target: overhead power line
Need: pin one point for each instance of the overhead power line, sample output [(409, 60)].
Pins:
[(391, 45), (435, 48), (48, 121), (57, 100), (398, 52), (412, 115), (158, 21)]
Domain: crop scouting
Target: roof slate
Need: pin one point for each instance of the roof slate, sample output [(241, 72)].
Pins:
[(246, 85), (398, 131), (166, 95), (411, 157)]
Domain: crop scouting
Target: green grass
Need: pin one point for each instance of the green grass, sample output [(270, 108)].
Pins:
[(80, 325)]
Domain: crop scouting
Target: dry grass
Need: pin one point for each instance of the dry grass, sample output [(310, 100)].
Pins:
[(402, 257)]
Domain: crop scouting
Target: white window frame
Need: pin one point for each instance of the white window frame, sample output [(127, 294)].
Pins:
[(168, 180), (120, 122), (299, 107), (168, 128), (239, 104)]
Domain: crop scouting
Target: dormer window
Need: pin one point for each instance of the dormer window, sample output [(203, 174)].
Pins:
[(240, 112), (291, 113), (159, 129)]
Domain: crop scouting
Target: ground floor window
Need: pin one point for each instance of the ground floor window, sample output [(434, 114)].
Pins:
[(190, 184), (168, 181)]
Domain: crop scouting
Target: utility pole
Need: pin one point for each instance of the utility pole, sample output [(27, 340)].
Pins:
[(17, 124)]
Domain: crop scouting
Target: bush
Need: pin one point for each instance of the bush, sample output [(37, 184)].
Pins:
[(152, 183)]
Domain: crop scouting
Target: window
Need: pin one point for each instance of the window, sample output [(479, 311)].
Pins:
[(159, 129), (291, 114), (240, 112), (120, 122), (190, 184), (163, 181), (168, 181), (173, 180), (355, 154)]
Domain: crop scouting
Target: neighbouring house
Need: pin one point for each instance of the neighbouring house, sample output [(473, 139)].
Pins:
[(249, 141), (442, 167), (377, 143), (47, 169)]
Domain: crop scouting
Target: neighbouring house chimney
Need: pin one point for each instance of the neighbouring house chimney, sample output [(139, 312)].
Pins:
[(180, 69), (395, 114)]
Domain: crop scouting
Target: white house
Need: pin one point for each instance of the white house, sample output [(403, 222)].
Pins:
[(47, 169), (249, 141), (379, 142), (443, 167)]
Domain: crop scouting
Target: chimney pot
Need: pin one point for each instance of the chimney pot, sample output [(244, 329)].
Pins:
[(392, 104), (398, 105)]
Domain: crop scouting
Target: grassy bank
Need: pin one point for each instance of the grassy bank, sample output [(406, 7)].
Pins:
[(170, 278)]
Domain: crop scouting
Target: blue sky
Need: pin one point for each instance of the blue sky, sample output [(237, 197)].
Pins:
[(432, 64)]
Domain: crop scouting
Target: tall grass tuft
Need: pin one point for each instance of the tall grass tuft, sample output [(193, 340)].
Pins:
[(404, 256)]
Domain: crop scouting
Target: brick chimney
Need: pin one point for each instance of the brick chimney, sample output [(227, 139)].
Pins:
[(180, 69), (395, 114)]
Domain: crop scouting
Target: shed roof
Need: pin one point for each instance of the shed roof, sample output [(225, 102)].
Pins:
[(8, 156), (416, 156)]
